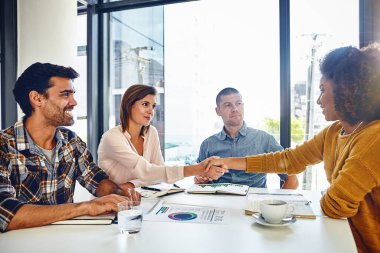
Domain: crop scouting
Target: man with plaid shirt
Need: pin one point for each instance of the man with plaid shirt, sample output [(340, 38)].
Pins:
[(40, 160)]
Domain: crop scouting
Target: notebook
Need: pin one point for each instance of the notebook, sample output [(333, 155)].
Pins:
[(223, 188), (104, 219), (159, 190)]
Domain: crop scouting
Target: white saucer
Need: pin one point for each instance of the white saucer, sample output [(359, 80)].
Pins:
[(258, 218)]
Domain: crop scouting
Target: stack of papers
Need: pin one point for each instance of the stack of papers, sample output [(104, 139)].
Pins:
[(224, 188)]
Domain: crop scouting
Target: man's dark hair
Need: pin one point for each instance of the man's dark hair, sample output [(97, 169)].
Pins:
[(36, 77), (225, 92)]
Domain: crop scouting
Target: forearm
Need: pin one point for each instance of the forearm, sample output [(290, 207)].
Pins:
[(38, 215), (193, 170), (349, 189), (291, 182), (238, 163), (107, 187)]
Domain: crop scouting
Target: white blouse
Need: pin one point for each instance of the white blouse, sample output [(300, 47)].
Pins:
[(119, 159)]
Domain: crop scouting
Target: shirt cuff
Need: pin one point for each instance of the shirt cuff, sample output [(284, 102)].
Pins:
[(174, 173), (254, 164), (98, 177), (8, 209)]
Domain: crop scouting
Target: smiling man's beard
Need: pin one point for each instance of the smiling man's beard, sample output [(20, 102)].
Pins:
[(66, 116), (57, 116)]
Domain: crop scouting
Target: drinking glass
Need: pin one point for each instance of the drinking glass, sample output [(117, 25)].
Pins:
[(129, 216)]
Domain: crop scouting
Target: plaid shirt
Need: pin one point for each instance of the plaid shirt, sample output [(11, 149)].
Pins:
[(27, 177)]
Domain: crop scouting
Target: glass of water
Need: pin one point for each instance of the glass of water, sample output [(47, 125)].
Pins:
[(129, 216)]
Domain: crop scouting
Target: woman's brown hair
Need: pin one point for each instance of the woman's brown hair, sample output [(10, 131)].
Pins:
[(131, 95)]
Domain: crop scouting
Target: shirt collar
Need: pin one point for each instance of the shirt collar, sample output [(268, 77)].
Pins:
[(126, 134), (24, 141), (223, 134)]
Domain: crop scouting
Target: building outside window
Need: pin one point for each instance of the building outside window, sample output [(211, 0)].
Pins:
[(317, 27), (136, 56)]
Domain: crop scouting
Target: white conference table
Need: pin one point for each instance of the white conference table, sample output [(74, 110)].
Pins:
[(240, 234)]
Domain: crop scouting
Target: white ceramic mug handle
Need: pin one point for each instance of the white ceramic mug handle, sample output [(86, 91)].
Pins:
[(290, 210)]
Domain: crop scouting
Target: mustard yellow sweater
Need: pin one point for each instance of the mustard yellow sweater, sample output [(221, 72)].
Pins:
[(352, 166)]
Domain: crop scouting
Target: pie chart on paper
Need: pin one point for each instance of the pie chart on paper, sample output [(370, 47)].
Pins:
[(183, 216)]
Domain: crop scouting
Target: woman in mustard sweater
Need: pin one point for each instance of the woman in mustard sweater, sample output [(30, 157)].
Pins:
[(349, 148)]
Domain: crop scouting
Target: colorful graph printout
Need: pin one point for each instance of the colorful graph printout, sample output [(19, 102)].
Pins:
[(183, 216), (186, 213)]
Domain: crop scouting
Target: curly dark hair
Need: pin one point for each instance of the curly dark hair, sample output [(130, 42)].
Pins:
[(369, 110), (36, 77), (356, 82)]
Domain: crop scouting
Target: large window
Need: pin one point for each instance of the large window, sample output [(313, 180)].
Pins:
[(210, 45), (136, 50), (80, 84), (317, 26), (190, 51)]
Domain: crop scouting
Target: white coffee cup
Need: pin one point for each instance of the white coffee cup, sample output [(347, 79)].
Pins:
[(273, 210)]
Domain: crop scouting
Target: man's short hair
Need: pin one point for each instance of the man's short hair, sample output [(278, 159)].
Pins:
[(36, 77), (225, 92)]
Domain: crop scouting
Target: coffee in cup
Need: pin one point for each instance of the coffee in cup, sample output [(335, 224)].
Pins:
[(273, 210)]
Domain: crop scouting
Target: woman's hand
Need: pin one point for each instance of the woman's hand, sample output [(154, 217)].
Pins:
[(215, 161), (211, 171), (128, 190)]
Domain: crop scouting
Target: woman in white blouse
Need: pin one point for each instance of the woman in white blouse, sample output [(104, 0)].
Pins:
[(130, 153)]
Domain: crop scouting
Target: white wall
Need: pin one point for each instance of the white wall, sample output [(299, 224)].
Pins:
[(46, 32)]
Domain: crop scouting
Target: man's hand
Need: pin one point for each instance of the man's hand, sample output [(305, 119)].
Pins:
[(201, 180), (211, 171), (291, 182), (105, 204), (215, 172), (214, 161), (128, 190)]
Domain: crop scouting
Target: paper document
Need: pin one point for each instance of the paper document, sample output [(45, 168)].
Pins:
[(184, 213), (302, 208), (158, 190), (224, 188), (104, 219)]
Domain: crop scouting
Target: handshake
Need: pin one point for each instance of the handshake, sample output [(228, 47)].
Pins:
[(213, 168)]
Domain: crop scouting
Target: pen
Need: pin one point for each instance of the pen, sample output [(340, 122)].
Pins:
[(176, 186), (150, 188)]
